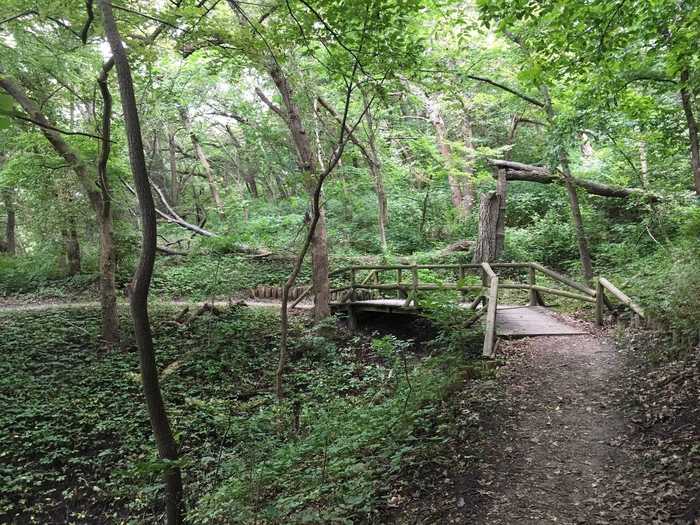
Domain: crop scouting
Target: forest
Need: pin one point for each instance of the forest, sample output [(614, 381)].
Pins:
[(349, 261)]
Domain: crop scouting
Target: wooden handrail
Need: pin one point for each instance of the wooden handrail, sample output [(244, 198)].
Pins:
[(563, 279), (621, 296)]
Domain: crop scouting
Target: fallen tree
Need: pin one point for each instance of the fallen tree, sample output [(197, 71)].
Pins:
[(517, 171), (172, 217)]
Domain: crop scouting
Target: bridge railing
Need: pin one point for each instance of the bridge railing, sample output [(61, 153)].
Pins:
[(366, 282), (407, 283)]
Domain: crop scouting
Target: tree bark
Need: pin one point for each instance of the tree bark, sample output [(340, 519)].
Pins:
[(174, 177), (72, 246), (374, 164), (517, 171), (10, 223), (686, 100), (456, 189), (581, 237), (307, 164), (199, 152), (167, 448), (108, 290), (485, 249), (502, 192), (469, 193)]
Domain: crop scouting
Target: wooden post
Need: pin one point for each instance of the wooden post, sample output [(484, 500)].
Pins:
[(414, 273), (352, 285), (352, 319), (490, 328), (599, 302), (462, 275), (532, 281)]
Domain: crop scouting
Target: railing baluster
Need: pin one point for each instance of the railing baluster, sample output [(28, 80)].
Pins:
[(414, 273)]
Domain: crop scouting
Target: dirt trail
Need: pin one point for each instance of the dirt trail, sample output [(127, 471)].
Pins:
[(558, 449)]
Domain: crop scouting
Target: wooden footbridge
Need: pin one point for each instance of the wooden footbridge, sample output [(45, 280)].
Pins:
[(408, 289)]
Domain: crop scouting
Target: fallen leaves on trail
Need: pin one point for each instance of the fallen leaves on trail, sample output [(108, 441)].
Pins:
[(664, 431)]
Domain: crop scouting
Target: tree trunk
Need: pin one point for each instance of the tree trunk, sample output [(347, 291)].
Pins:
[(167, 448), (581, 237), (485, 249), (469, 193), (502, 192), (375, 168), (108, 291), (373, 162), (541, 175), (307, 164), (438, 123), (199, 152), (10, 226), (686, 100), (244, 169), (72, 246), (174, 178)]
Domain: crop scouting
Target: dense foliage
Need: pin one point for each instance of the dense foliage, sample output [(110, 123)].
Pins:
[(364, 409)]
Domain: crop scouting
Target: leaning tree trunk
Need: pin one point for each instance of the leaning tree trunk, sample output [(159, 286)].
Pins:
[(373, 162), (375, 168), (686, 99), (307, 164), (199, 152), (469, 193), (456, 189), (10, 227), (167, 448), (581, 237), (174, 192), (485, 249)]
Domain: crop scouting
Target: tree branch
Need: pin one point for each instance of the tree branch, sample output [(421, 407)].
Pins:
[(271, 104), (508, 89)]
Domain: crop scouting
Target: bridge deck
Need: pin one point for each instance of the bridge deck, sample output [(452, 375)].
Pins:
[(521, 321), (530, 321)]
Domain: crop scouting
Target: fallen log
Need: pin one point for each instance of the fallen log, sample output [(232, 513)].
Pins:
[(172, 217), (168, 251), (517, 171)]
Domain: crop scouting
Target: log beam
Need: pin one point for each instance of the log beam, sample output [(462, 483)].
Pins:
[(517, 171)]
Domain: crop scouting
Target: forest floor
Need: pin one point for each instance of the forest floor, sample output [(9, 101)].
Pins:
[(558, 442), (571, 430)]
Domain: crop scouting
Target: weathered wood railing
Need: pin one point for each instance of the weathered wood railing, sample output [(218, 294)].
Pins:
[(486, 292)]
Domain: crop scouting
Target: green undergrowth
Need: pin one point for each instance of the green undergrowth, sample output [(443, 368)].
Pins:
[(78, 448)]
